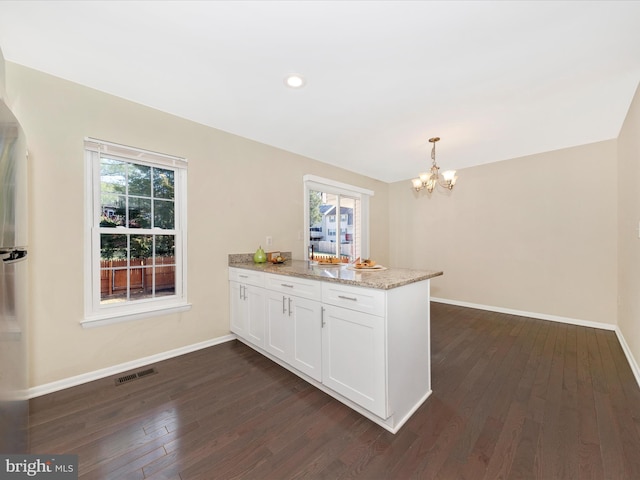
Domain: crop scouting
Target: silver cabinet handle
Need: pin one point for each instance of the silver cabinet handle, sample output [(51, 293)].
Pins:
[(348, 298), (322, 322), (289, 306), (283, 308), (286, 285), (243, 276)]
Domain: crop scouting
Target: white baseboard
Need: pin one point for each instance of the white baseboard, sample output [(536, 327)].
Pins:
[(522, 313), (123, 367), (555, 318), (627, 351)]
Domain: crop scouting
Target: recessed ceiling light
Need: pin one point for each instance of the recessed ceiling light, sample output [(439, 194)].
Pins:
[(294, 81)]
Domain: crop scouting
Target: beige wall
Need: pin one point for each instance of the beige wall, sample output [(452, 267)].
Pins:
[(2, 77), (239, 191), (628, 225), (534, 234)]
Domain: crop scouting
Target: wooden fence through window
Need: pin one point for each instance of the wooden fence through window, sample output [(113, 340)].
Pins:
[(113, 276)]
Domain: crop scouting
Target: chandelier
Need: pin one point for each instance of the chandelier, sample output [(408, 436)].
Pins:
[(430, 179)]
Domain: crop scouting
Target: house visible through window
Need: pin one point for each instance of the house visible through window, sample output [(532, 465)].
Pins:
[(136, 229), (332, 207)]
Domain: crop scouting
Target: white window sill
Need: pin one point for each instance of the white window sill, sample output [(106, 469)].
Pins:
[(101, 320)]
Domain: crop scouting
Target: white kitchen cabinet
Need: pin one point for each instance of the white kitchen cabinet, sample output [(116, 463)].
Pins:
[(353, 357), (354, 348), (238, 309), (376, 349), (365, 300), (247, 305), (367, 347), (294, 324), (277, 326), (306, 351)]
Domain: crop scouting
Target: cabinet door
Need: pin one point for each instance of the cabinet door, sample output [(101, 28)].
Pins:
[(238, 309), (294, 332), (354, 357), (277, 335), (306, 332), (254, 298)]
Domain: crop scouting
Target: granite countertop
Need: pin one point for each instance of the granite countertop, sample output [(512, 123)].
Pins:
[(380, 279)]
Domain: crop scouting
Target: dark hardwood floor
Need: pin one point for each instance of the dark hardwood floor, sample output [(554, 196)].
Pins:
[(513, 397)]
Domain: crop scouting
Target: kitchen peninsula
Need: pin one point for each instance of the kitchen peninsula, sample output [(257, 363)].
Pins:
[(363, 337)]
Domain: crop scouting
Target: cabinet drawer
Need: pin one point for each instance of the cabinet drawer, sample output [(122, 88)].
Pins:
[(250, 277), (300, 287), (367, 300)]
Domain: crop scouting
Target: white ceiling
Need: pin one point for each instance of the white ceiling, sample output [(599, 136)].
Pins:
[(495, 80)]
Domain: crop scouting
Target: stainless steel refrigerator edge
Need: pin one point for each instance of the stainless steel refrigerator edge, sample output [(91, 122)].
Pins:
[(14, 383)]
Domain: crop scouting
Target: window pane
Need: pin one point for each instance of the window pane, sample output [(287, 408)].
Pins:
[(315, 216), (141, 248), (163, 183), (113, 268), (113, 176), (334, 225), (141, 281), (165, 246), (139, 212), (112, 189), (165, 277), (112, 210), (322, 220), (139, 180), (163, 214), (165, 265), (113, 284), (349, 227), (113, 247)]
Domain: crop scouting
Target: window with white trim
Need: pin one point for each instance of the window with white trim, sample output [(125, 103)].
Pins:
[(331, 207), (135, 232)]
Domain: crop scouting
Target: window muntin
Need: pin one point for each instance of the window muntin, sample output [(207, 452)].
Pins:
[(136, 230)]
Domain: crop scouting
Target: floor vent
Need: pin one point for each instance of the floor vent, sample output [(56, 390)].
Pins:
[(134, 376)]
